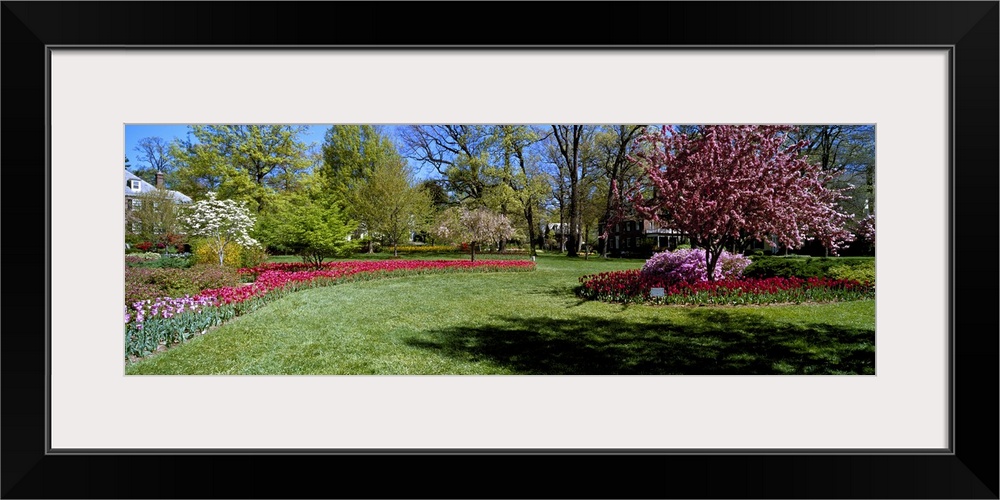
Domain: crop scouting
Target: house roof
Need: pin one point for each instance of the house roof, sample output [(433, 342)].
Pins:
[(145, 187)]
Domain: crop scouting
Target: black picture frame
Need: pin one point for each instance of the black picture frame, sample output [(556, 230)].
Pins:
[(969, 471)]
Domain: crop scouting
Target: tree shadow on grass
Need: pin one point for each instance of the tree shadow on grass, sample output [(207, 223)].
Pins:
[(714, 342)]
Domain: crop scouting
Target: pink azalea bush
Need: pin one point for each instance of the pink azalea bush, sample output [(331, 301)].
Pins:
[(689, 266)]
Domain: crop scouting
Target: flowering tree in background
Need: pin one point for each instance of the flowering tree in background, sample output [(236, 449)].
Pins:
[(725, 186), (866, 228), (222, 222), (475, 226)]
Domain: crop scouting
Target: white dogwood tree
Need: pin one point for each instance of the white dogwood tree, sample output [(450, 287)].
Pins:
[(222, 222)]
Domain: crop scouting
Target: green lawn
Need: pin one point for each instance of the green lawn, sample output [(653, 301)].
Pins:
[(521, 323)]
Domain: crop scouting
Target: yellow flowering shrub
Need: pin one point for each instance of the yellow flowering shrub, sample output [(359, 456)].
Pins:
[(204, 254)]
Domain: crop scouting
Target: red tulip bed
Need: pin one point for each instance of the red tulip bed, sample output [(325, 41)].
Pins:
[(155, 321), (632, 286)]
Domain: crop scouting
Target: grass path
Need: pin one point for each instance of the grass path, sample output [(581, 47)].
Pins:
[(521, 323)]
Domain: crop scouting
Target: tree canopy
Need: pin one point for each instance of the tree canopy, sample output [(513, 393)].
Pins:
[(350, 153), (242, 162), (389, 202), (154, 153), (583, 177)]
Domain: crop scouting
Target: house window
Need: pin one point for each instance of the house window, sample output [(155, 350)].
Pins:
[(136, 204), (134, 184)]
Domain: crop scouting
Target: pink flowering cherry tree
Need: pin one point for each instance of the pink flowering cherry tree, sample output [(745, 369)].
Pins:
[(731, 184), (474, 226), (866, 228)]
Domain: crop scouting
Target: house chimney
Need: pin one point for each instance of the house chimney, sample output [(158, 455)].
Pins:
[(159, 180)]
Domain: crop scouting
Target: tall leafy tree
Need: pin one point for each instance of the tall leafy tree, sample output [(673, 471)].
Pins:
[(244, 162), (570, 140), (613, 143), (850, 150), (731, 184), (439, 195), (198, 171), (461, 155), (524, 183), (350, 153), (303, 222), (390, 204), (556, 205)]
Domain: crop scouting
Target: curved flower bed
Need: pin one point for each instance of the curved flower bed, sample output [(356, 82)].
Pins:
[(633, 286), (151, 322)]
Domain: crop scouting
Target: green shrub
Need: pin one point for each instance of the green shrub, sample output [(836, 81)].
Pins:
[(165, 262), (785, 267), (253, 256), (427, 249), (863, 272), (782, 268)]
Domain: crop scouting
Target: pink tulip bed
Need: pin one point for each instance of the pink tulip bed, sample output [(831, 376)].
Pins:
[(151, 322), (682, 275), (633, 286)]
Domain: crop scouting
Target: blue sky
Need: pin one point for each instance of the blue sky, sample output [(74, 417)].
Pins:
[(134, 133)]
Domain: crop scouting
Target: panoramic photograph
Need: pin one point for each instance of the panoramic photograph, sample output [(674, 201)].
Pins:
[(499, 249)]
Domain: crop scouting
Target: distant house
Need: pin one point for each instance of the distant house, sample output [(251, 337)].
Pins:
[(642, 237), (554, 234), (136, 187), (555, 229)]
